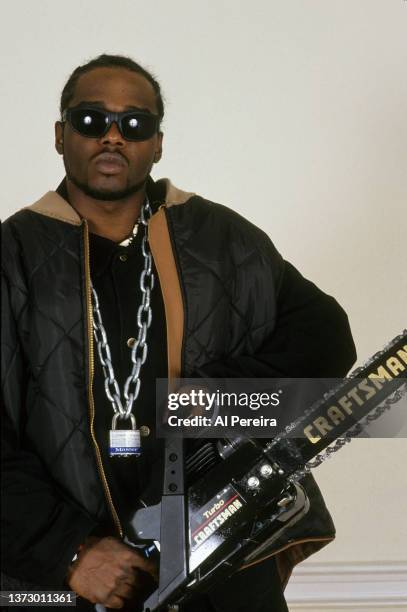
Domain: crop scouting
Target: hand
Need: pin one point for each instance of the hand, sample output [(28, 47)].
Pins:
[(108, 572)]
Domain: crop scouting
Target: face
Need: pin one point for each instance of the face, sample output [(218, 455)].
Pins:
[(87, 161)]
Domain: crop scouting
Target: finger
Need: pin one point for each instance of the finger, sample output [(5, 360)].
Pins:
[(127, 575), (133, 592), (125, 590), (149, 567), (113, 601), (140, 562), (153, 571)]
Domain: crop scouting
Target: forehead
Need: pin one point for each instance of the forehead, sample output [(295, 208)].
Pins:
[(115, 88)]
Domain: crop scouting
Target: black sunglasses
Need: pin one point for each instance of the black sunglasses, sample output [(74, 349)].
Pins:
[(96, 122)]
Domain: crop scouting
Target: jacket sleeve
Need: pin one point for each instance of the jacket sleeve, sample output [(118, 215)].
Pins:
[(41, 529), (311, 337)]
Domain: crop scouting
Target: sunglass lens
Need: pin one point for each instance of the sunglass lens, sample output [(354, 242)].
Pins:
[(89, 122), (139, 127)]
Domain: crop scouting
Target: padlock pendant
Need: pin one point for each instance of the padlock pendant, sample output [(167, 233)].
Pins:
[(124, 442)]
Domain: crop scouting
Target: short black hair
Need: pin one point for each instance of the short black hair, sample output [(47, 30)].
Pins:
[(110, 61)]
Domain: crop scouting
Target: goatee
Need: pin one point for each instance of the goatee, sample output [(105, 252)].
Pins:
[(106, 195)]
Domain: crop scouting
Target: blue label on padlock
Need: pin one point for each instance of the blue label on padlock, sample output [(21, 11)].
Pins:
[(125, 442)]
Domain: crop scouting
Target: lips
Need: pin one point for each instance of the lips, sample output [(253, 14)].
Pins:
[(110, 163)]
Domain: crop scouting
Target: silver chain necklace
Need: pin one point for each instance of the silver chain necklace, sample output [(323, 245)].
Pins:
[(125, 442)]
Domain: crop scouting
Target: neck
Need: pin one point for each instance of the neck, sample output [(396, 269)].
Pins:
[(111, 219)]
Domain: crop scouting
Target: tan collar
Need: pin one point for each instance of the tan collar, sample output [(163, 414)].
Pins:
[(53, 205)]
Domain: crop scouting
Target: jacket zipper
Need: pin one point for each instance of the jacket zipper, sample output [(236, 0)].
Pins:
[(91, 404)]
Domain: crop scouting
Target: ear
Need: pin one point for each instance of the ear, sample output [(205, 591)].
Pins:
[(159, 147), (59, 137)]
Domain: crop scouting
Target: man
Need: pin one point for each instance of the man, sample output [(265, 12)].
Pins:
[(222, 302)]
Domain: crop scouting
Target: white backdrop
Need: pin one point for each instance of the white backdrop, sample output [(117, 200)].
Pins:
[(292, 113)]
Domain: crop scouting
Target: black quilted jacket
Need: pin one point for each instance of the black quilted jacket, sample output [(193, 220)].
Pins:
[(225, 290)]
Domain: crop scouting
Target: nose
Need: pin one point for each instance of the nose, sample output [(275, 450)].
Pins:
[(113, 136)]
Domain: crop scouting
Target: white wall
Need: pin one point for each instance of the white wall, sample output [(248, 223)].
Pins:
[(293, 113)]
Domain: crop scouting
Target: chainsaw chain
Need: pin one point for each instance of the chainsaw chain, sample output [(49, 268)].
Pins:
[(354, 432), (357, 429)]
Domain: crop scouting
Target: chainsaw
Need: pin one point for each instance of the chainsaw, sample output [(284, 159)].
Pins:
[(227, 501)]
